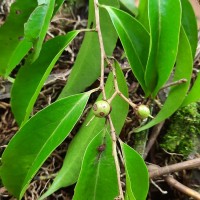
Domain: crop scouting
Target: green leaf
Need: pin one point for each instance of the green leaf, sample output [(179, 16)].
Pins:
[(58, 4), (177, 93), (71, 167), (12, 42), (164, 39), (34, 76), (36, 140), (37, 25), (98, 176), (129, 5), (31, 28), (189, 24), (194, 94), (142, 16), (135, 41), (137, 178), (129, 195), (88, 58)]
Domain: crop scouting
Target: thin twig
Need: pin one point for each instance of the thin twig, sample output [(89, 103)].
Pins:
[(103, 54), (153, 137), (182, 188), (112, 129), (114, 152), (160, 171), (181, 81), (112, 97), (94, 90), (117, 90), (156, 171), (88, 30), (158, 187), (158, 103), (120, 156)]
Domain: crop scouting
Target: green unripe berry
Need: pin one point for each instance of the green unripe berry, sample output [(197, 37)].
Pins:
[(143, 111), (101, 108)]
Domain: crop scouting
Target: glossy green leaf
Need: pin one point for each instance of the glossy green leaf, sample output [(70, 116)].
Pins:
[(189, 24), (142, 16), (98, 176), (37, 25), (33, 21), (129, 195), (194, 94), (130, 6), (34, 76), (135, 41), (36, 140), (13, 45), (177, 93), (58, 4), (88, 58), (164, 39), (72, 163), (137, 178)]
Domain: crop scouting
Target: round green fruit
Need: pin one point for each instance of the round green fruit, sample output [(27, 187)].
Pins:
[(143, 111), (101, 108)]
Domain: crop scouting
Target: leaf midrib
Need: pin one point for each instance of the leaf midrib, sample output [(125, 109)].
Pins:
[(42, 80), (129, 40), (74, 107)]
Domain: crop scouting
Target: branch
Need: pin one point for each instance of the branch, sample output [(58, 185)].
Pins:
[(112, 129), (156, 171), (182, 188), (114, 152), (181, 81), (117, 90), (153, 137), (102, 50)]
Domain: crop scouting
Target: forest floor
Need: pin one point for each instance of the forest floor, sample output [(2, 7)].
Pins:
[(70, 18)]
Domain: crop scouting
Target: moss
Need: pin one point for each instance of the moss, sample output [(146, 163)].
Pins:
[(184, 130)]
